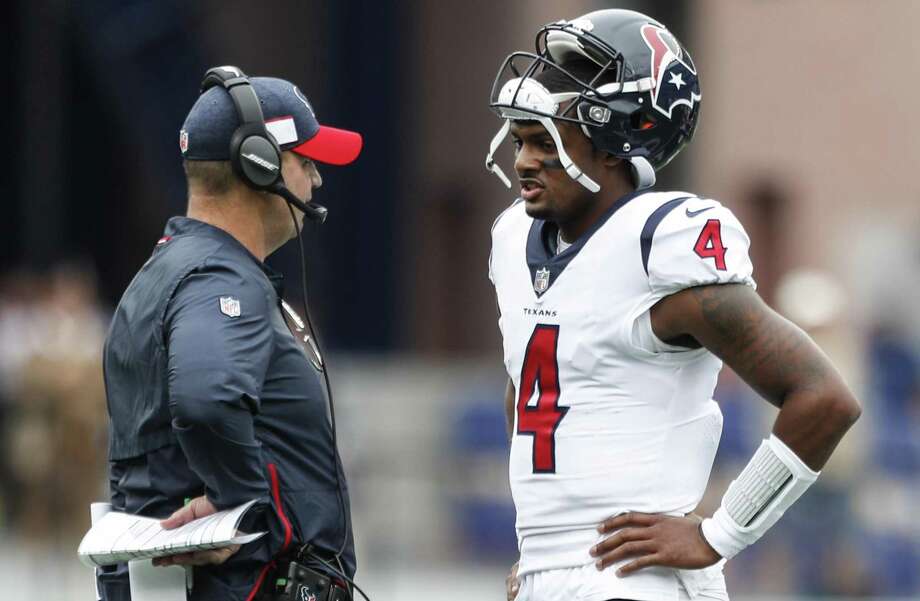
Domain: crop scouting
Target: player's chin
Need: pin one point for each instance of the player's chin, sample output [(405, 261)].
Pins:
[(539, 208)]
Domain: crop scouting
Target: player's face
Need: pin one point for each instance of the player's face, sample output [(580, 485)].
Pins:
[(548, 192)]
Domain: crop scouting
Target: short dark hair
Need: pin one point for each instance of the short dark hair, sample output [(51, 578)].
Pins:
[(213, 177)]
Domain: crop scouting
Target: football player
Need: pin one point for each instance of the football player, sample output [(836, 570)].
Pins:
[(618, 305)]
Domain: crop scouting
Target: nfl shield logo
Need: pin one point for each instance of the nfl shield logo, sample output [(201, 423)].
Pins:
[(229, 306), (541, 281), (183, 140)]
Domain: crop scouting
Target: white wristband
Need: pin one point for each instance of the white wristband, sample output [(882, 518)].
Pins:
[(770, 483)]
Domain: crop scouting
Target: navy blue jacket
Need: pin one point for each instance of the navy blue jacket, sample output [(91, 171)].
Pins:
[(209, 392)]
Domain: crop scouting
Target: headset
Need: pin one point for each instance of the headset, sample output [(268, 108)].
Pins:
[(256, 159), (254, 153)]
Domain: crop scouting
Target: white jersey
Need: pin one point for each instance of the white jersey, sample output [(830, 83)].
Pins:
[(609, 418)]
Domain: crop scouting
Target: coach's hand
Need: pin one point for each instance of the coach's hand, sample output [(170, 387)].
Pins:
[(511, 583), (653, 540), (198, 507)]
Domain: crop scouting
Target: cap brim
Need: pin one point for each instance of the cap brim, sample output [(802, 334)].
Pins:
[(332, 146)]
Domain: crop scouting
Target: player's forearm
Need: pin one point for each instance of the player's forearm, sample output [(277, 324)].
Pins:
[(812, 422), (779, 361), (813, 417), (784, 365)]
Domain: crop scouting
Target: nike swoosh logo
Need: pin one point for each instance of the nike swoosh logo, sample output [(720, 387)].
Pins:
[(695, 213)]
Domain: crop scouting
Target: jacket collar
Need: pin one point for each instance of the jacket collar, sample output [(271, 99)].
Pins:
[(187, 226)]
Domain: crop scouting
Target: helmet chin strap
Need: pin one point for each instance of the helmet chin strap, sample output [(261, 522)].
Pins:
[(529, 100), (571, 169), (491, 165), (642, 172)]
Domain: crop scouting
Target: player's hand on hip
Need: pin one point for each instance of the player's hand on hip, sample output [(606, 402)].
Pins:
[(512, 584), (653, 540), (198, 507)]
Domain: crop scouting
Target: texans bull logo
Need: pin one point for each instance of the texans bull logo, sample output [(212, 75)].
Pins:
[(675, 77)]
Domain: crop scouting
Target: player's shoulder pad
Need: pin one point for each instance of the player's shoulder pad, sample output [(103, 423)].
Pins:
[(691, 241), (517, 205), (504, 224)]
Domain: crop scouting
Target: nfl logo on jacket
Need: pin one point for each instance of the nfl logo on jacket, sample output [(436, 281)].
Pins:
[(229, 306)]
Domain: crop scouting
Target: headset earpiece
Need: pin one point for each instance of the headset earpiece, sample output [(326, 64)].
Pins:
[(254, 154), (255, 158)]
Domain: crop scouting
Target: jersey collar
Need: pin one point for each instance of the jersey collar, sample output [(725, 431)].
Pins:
[(546, 266)]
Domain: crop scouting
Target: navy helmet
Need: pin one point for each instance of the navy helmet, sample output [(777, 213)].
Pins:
[(642, 102)]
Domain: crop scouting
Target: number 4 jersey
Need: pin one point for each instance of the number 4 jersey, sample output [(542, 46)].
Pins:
[(608, 418)]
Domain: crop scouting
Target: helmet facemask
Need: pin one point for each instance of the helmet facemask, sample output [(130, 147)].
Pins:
[(517, 95)]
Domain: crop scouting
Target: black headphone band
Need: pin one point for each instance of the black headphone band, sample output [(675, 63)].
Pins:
[(254, 154), (251, 141), (241, 91)]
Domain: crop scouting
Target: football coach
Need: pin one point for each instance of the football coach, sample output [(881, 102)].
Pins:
[(216, 389)]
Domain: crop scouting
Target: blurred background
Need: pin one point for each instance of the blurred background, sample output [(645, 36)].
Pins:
[(809, 132)]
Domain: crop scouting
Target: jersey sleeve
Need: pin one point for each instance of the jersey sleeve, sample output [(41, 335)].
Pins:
[(497, 227), (219, 342), (697, 243), (491, 273)]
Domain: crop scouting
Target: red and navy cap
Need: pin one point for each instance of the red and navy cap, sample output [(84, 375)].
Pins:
[(289, 118)]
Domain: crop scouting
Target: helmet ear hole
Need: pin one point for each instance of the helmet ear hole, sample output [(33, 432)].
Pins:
[(641, 121)]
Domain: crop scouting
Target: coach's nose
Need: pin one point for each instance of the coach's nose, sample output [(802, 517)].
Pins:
[(316, 180)]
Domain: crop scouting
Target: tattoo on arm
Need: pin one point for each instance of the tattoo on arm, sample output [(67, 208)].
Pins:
[(767, 351), (771, 355)]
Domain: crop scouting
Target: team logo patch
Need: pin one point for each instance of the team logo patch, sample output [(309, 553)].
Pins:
[(541, 280), (230, 306), (183, 140), (676, 81)]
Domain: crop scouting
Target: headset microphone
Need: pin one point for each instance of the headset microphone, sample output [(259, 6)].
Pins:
[(313, 211)]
